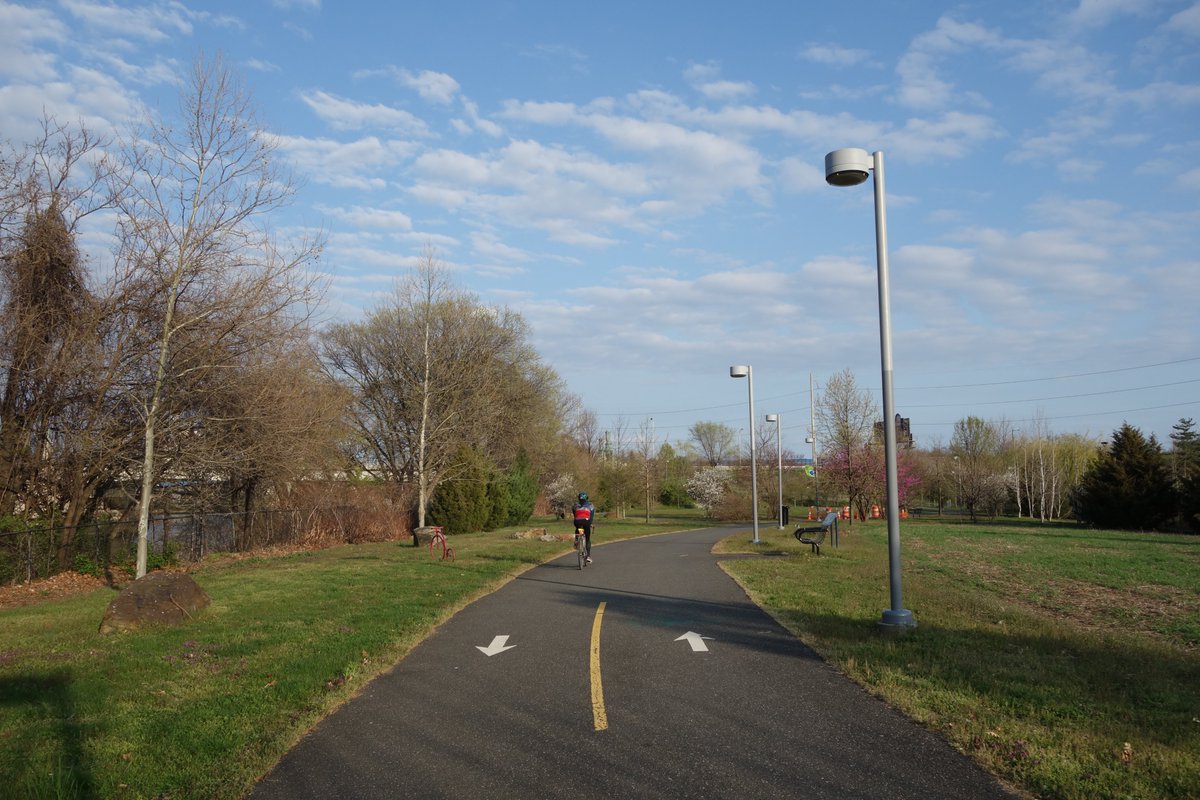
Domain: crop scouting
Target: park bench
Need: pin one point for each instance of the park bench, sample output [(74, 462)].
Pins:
[(816, 534)]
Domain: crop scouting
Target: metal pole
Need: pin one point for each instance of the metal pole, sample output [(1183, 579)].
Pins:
[(779, 459), (897, 616), (812, 430), (753, 453)]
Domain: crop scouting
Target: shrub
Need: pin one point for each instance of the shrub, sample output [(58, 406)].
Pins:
[(522, 490), (460, 504), (498, 500), (674, 494)]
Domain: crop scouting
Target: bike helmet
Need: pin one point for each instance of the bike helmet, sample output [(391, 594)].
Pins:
[(583, 497)]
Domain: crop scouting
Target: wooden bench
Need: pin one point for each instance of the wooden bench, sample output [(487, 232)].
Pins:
[(816, 535)]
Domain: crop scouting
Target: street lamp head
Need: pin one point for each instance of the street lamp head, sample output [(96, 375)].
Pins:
[(740, 371), (849, 166), (772, 418)]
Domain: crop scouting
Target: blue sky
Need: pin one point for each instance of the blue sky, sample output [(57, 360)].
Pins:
[(644, 183)]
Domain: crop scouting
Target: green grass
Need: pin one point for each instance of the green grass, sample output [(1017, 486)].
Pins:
[(1065, 661), (1041, 652), (202, 710)]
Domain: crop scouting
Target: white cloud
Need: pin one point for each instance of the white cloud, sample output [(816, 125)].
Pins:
[(343, 114), (151, 23), (363, 217), (921, 85), (356, 164), (1186, 22), (1189, 180), (1097, 13), (952, 135), (801, 175), (706, 78), (259, 65), (726, 90), (834, 55), (21, 29), (437, 87), (1079, 169), (489, 245)]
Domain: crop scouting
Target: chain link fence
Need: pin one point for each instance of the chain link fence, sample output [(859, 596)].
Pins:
[(33, 553)]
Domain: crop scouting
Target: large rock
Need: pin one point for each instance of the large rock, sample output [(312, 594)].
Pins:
[(164, 598)]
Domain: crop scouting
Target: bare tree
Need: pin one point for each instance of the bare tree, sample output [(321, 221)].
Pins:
[(197, 260), (53, 327), (715, 441), (646, 461), (976, 446)]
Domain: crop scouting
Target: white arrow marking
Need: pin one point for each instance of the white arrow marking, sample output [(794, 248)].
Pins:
[(696, 641), (498, 645)]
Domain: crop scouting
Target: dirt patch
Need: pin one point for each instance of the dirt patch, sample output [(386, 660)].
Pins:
[(61, 585), (1144, 608)]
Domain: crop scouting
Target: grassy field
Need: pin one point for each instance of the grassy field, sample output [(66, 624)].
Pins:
[(201, 711), (1065, 661)]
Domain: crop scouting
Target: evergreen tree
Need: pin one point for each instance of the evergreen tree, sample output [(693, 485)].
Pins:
[(522, 490), (497, 500), (460, 504), (1128, 486), (1185, 464)]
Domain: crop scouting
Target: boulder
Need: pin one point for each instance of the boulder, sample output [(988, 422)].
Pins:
[(165, 598), (424, 535)]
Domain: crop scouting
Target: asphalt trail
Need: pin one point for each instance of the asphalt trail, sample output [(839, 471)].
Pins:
[(749, 712)]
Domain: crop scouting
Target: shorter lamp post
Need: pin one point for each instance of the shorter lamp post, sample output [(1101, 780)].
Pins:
[(747, 372), (779, 460)]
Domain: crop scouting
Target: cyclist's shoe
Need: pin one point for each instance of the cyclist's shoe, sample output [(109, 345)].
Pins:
[(588, 559)]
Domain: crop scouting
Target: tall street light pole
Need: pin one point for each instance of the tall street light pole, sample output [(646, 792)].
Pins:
[(779, 459), (743, 371), (849, 167)]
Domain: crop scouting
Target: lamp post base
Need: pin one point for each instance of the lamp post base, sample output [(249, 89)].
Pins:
[(897, 621)]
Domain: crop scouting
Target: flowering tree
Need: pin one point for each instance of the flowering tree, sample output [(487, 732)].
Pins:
[(561, 494), (707, 487)]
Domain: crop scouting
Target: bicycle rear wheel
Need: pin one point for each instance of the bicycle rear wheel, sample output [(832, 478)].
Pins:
[(581, 549)]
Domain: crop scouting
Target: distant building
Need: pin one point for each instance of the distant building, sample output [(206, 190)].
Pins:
[(904, 437)]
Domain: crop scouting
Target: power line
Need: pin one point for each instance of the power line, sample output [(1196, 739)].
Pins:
[(1078, 416), (1057, 377), (1056, 397), (946, 386)]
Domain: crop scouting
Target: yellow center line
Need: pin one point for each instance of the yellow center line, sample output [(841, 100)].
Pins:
[(599, 716)]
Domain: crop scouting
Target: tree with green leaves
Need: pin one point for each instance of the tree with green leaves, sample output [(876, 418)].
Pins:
[(1128, 486)]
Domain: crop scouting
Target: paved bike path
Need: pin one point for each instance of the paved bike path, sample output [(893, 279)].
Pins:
[(748, 712)]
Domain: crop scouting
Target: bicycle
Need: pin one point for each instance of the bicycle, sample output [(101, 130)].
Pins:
[(439, 539), (581, 547)]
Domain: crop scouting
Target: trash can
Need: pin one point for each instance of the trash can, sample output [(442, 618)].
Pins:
[(783, 514)]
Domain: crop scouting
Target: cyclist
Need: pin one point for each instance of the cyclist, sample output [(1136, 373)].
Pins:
[(584, 512)]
